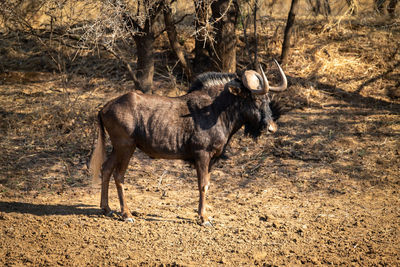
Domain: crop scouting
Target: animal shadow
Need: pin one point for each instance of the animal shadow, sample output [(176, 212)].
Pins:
[(48, 209)]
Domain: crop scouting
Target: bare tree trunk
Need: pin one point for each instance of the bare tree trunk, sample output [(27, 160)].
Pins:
[(225, 14), (327, 8), (145, 62), (255, 62), (202, 41), (251, 50), (392, 7), (318, 8), (173, 41), (245, 22), (288, 31), (144, 35)]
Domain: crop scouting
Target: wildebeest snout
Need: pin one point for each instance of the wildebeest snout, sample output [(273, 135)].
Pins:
[(272, 126)]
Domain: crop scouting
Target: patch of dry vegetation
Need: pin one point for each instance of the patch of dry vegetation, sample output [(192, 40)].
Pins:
[(344, 70)]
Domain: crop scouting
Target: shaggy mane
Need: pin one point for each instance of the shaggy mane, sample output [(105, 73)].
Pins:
[(211, 80)]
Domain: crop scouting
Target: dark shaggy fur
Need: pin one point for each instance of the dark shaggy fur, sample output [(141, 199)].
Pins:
[(276, 108), (212, 82)]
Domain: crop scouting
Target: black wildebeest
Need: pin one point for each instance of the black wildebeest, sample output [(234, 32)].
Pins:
[(195, 127)]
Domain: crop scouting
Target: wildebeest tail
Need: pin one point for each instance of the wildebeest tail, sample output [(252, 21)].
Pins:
[(99, 152)]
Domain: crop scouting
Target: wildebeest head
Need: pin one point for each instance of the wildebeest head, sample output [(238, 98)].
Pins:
[(259, 112)]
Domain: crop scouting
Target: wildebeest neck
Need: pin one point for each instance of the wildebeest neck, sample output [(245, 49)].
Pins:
[(222, 111)]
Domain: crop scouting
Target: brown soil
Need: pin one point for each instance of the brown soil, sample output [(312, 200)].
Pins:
[(325, 189)]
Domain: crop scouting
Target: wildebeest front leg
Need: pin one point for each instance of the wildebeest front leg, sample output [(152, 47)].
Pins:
[(203, 179)]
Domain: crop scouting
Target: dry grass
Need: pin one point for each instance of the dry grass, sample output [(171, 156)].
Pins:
[(48, 119)]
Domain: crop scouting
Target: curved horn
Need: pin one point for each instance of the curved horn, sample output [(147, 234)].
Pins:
[(251, 79), (264, 82), (283, 85)]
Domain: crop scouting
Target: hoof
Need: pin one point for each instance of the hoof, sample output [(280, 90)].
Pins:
[(109, 214), (129, 220), (207, 224)]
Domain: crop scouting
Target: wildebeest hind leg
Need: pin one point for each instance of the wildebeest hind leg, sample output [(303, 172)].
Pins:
[(106, 172), (123, 157)]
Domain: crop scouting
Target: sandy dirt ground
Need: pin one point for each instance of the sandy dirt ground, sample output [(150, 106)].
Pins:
[(324, 190)]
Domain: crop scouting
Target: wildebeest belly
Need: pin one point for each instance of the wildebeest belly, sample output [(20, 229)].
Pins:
[(163, 137)]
